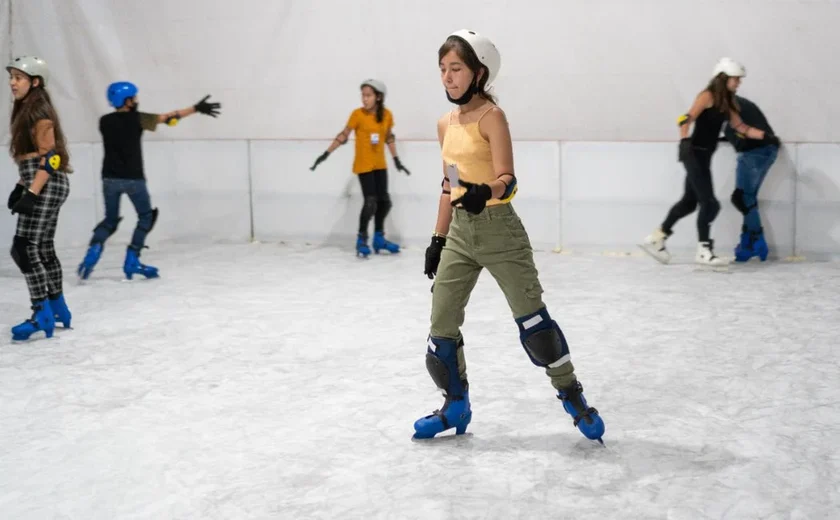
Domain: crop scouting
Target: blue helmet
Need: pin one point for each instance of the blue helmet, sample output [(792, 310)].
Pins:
[(120, 91)]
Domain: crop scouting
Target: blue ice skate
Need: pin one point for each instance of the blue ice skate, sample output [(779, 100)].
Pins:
[(90, 260), (60, 310), (442, 364), (380, 243), (42, 320), (752, 244), (133, 266), (586, 418), (362, 249), (454, 414)]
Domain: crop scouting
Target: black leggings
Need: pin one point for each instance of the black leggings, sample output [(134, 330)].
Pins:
[(377, 201), (698, 192)]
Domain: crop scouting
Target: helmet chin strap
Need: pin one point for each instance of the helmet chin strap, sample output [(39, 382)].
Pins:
[(467, 97)]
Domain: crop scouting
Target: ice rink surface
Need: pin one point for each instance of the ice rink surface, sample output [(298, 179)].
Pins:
[(280, 381)]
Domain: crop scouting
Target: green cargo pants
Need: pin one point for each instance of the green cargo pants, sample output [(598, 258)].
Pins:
[(494, 239)]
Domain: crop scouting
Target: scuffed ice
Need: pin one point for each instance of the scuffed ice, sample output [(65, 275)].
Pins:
[(272, 381)]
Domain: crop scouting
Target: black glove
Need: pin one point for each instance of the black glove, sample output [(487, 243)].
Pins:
[(208, 109), (433, 256), (771, 139), (475, 198), (400, 166), (16, 194), (321, 158), (26, 204), (685, 149)]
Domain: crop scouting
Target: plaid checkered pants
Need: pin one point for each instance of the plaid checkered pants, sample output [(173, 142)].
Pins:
[(38, 229)]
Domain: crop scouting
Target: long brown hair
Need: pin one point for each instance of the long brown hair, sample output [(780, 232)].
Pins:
[(724, 99), (467, 54), (35, 106)]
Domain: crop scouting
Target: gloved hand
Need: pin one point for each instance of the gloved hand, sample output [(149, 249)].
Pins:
[(208, 109), (321, 158), (16, 194), (26, 204), (476, 197), (400, 166), (685, 149), (433, 256)]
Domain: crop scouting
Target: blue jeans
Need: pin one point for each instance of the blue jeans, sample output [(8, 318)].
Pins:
[(138, 194), (753, 166)]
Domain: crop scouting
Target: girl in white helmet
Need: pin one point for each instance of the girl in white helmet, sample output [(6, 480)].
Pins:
[(714, 106), (373, 124), (39, 148), (484, 231)]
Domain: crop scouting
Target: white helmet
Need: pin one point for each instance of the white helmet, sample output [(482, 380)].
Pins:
[(376, 85), (487, 53), (31, 66), (730, 67)]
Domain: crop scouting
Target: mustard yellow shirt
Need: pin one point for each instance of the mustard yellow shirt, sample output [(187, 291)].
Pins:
[(370, 139), (469, 151)]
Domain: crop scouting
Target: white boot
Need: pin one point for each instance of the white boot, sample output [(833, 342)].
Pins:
[(654, 245), (706, 255)]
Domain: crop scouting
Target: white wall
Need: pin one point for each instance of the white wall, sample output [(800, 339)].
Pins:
[(581, 196), (591, 90), (606, 70)]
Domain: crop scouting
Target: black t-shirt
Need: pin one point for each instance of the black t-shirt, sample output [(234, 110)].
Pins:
[(707, 128), (752, 116), (121, 133)]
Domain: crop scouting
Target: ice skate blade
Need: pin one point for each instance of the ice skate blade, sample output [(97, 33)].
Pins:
[(661, 260), (447, 436), (712, 268)]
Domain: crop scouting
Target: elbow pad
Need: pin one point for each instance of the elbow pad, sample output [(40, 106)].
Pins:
[(510, 191), (52, 162), (683, 120)]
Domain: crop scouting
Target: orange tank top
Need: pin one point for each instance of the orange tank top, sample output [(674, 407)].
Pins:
[(469, 152)]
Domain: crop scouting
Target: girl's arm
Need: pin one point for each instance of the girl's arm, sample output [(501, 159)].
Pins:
[(744, 129), (703, 101), (444, 215), (340, 139), (203, 107), (175, 115), (391, 141), (44, 136), (494, 127)]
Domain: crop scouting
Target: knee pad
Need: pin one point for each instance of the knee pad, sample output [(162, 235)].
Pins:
[(20, 255), (738, 201), (442, 364), (152, 216), (686, 206), (384, 204), (370, 205), (712, 207), (111, 228), (543, 340)]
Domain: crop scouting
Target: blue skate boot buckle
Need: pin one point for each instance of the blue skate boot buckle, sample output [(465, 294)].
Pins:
[(586, 418), (380, 243), (42, 320), (455, 413)]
